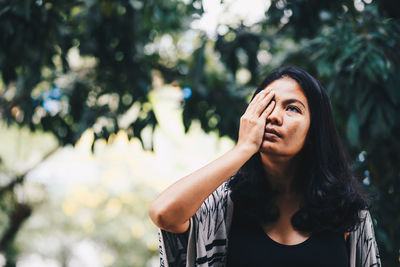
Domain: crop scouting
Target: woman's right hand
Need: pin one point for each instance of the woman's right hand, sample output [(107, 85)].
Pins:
[(253, 121)]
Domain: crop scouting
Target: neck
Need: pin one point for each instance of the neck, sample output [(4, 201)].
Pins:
[(280, 172)]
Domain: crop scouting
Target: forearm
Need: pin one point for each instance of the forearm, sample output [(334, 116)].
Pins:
[(179, 202)]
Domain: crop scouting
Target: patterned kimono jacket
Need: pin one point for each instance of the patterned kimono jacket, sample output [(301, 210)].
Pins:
[(205, 243)]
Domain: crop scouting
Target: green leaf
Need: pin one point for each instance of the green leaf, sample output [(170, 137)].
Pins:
[(366, 109), (378, 124), (352, 129)]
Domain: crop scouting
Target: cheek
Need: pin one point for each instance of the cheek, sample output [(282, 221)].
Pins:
[(297, 133), (302, 131)]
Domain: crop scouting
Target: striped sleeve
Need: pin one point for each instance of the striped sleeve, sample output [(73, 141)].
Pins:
[(172, 248), (204, 244), (363, 247), (211, 228)]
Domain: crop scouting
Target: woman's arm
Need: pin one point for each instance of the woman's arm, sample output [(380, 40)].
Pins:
[(174, 207)]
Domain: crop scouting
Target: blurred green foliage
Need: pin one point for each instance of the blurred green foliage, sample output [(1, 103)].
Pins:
[(353, 47), (36, 37), (116, 226)]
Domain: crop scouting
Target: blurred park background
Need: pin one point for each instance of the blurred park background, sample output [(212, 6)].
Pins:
[(105, 103)]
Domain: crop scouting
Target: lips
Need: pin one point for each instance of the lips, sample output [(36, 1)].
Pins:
[(271, 131)]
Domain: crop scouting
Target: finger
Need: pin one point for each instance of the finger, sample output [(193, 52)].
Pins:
[(261, 94), (268, 110), (264, 103), (257, 100)]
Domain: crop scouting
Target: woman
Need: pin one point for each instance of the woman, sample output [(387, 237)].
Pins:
[(283, 196)]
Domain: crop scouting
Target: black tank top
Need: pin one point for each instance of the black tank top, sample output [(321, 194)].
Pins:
[(249, 246)]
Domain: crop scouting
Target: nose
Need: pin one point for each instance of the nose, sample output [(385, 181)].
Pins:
[(275, 117)]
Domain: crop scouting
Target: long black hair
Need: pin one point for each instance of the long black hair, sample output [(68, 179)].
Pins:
[(332, 196)]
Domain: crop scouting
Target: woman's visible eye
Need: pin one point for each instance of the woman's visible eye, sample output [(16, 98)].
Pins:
[(293, 108)]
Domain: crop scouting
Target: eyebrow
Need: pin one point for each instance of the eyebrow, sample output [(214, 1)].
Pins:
[(293, 100)]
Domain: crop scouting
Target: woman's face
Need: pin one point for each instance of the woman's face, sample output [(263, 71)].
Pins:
[(287, 126)]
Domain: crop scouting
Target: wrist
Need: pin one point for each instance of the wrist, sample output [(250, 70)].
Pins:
[(244, 150)]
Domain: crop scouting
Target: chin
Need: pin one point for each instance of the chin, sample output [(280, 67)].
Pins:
[(273, 149), (268, 148)]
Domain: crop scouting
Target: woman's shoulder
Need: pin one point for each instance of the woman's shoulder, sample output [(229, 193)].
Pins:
[(363, 246), (365, 225), (365, 220)]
